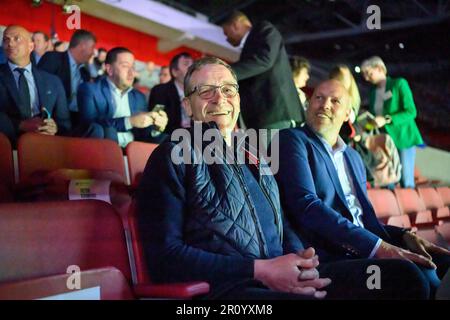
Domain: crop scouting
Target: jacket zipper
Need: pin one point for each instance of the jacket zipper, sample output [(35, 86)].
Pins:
[(258, 233), (275, 212)]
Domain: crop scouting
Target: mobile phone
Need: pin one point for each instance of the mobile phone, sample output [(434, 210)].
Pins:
[(45, 114), (159, 107)]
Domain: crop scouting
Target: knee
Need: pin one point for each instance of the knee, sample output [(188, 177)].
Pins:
[(412, 282)]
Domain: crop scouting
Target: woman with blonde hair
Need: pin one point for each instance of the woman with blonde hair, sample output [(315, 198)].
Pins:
[(343, 74)]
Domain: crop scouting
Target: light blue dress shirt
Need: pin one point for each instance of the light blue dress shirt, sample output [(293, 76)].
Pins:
[(337, 156), (122, 109), (34, 95), (75, 81)]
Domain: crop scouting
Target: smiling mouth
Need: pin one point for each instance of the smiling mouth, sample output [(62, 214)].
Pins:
[(219, 113), (323, 116)]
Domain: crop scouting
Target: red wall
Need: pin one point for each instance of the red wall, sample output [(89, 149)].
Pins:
[(108, 34)]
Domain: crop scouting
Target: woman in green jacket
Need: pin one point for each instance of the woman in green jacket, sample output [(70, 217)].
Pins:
[(392, 103)]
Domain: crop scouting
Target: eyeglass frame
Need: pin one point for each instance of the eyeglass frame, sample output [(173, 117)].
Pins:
[(215, 88)]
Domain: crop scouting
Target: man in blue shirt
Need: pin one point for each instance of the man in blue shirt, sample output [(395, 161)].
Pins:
[(323, 191), (111, 108)]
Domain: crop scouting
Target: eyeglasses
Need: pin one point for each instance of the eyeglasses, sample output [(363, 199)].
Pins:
[(207, 91)]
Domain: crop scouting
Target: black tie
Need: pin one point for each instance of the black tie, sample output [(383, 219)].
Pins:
[(24, 90)]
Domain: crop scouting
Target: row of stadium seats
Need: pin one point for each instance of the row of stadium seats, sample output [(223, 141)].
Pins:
[(42, 238), (425, 211), (41, 241)]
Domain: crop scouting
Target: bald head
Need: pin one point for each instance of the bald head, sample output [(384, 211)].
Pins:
[(18, 45), (328, 109)]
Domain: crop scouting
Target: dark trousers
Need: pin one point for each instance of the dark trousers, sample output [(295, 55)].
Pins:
[(398, 280)]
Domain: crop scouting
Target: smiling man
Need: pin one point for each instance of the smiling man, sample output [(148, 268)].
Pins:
[(323, 191), (222, 223)]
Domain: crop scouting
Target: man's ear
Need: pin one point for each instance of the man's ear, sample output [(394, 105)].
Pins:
[(186, 103), (109, 69)]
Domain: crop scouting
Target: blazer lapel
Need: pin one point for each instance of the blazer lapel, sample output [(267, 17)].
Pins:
[(132, 102), (328, 164), (106, 91), (10, 83), (43, 92)]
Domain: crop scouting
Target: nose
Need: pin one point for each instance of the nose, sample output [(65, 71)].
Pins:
[(218, 95)]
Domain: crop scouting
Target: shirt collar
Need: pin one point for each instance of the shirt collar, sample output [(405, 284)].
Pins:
[(72, 61), (340, 145), (13, 66), (116, 90), (244, 39), (179, 89)]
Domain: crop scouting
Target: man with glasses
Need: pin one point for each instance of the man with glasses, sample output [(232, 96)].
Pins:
[(221, 222)]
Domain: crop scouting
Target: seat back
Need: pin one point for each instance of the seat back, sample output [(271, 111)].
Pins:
[(411, 204), (142, 275), (138, 154), (37, 152), (6, 162), (96, 284), (45, 238), (384, 204), (433, 202), (444, 192), (6, 170)]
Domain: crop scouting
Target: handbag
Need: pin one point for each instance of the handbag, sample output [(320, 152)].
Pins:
[(381, 158)]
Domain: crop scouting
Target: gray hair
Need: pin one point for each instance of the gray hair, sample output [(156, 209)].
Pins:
[(200, 63), (373, 62)]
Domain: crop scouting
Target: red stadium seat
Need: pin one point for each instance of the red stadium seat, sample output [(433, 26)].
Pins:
[(43, 239), (385, 205), (143, 285), (6, 170), (444, 192), (433, 202), (110, 281), (43, 153), (411, 204), (138, 154)]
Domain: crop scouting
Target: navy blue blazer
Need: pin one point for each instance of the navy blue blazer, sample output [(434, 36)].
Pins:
[(58, 63), (313, 200), (95, 104), (50, 93)]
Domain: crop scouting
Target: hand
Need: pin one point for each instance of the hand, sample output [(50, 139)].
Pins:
[(160, 119), (141, 120), (421, 246), (380, 121), (31, 125), (388, 251), (283, 274), (48, 127)]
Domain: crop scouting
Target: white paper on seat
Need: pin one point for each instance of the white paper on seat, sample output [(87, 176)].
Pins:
[(82, 189), (83, 294)]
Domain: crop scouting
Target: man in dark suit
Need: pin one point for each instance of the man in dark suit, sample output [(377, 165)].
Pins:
[(70, 67), (41, 43), (31, 100), (269, 97), (112, 109), (322, 184), (171, 94)]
